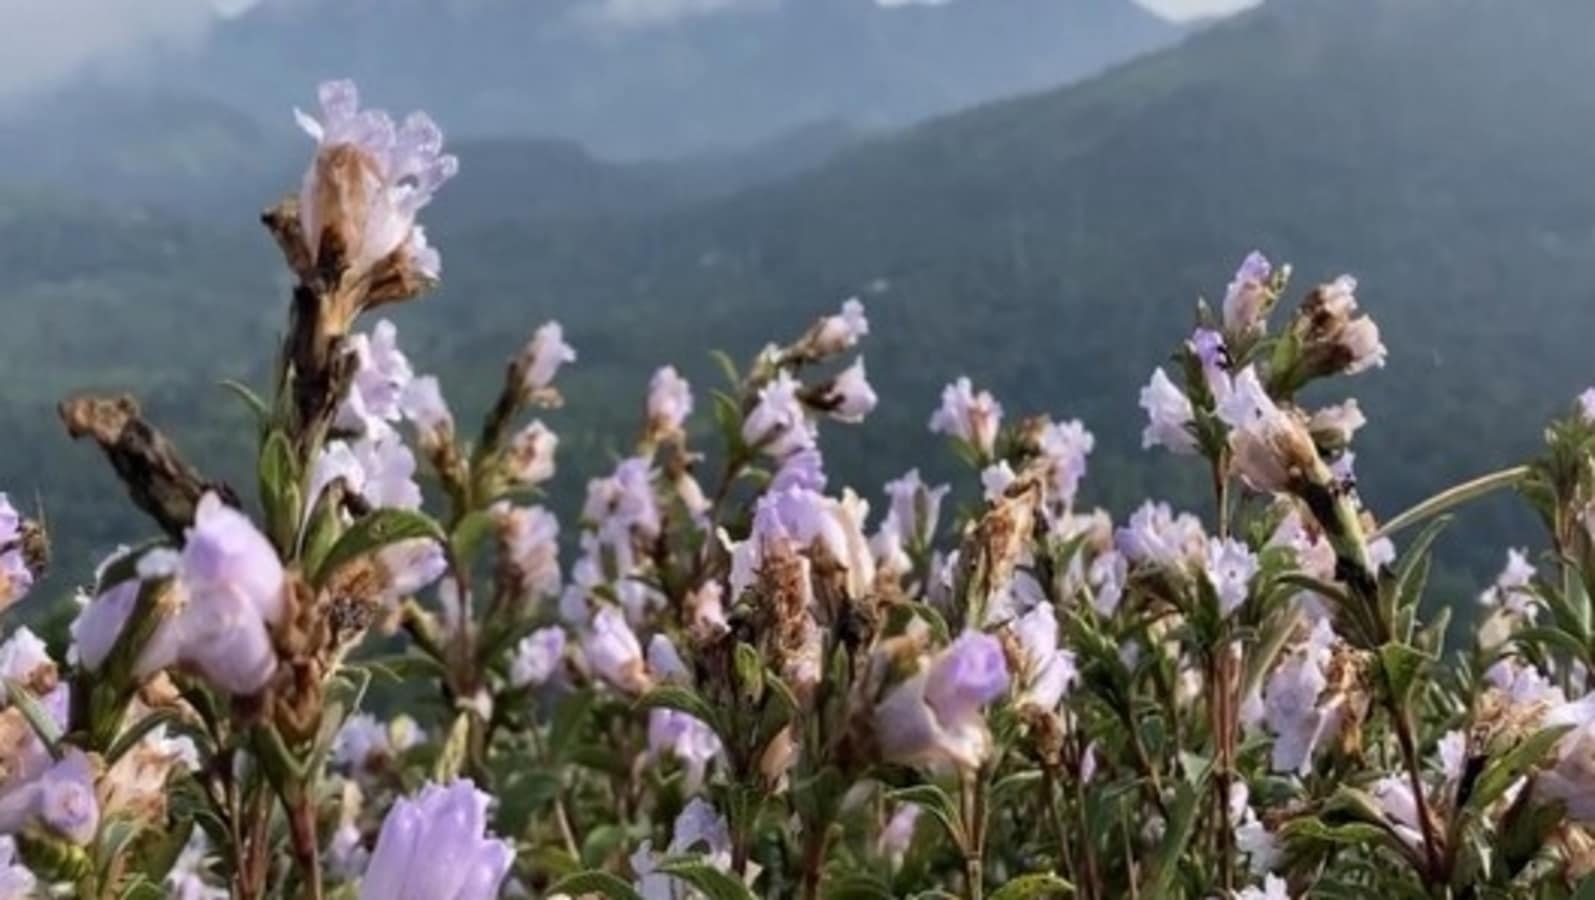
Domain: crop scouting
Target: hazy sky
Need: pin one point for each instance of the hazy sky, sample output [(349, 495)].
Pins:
[(44, 41)]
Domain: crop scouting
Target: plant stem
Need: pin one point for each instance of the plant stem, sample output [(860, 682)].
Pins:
[(1452, 497), (1436, 875), (973, 797)]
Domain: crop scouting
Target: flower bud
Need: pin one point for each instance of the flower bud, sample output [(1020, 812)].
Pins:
[(1249, 296), (541, 359), (669, 403), (778, 425)]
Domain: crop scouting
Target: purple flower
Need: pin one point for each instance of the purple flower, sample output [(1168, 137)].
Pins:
[(436, 847), (231, 584), (1230, 566), (379, 381), (934, 718), (369, 180), (840, 332), (692, 743), (972, 418), (613, 652), (898, 835), (915, 507), (541, 358), (1169, 416), (1047, 671), (849, 397), (1586, 405), (529, 547), (529, 461), (1158, 538), (61, 798), (803, 469), (1065, 446), (537, 657), (669, 402), (778, 425), (423, 404), (1247, 299)]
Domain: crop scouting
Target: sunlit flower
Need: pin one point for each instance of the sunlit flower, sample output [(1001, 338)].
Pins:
[(970, 417), (436, 847), (1271, 447), (381, 374), (834, 334), (995, 479)]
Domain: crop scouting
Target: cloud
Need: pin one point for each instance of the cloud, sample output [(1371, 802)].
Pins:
[(1195, 9), (632, 13), (45, 41)]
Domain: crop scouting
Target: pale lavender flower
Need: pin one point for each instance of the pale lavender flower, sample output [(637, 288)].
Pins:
[(190, 877), (380, 378), (368, 181), (1513, 590), (669, 402), (1047, 671), (1107, 575), (687, 739), (16, 579), (916, 507), (1453, 750), (803, 469), (613, 652), (995, 479), (409, 567), (699, 829), (1271, 447), (529, 547), (437, 847), (541, 358), (1274, 888), (665, 662), (842, 331), (1247, 298), (1571, 776), (934, 718), (99, 623), (365, 742), (423, 404), (379, 468), (1400, 806), (60, 798), (898, 835), (1349, 342), (888, 548), (537, 657), (1230, 566), (1169, 416), (624, 501), (972, 418), (232, 587), (1156, 537), (1586, 405), (1065, 445), (1336, 425), (1294, 710), (25, 659), (529, 461), (16, 882), (778, 425), (849, 398)]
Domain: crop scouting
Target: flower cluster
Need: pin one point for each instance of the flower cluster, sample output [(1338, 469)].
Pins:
[(401, 675)]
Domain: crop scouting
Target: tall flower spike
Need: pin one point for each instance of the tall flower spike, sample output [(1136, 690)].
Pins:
[(366, 184)]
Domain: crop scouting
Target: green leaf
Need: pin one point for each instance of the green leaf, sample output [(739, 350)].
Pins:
[(1034, 887), (750, 674), (1181, 825), (1403, 668), (711, 882), (251, 399), (1451, 498), (595, 882), (130, 738), (935, 801), (857, 886), (728, 415), (728, 367), (38, 717), (1412, 573), (682, 699), (451, 758), (469, 534), (382, 528), (570, 716), (280, 490), (1507, 768)]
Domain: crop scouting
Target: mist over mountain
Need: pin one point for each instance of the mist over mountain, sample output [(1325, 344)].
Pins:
[(1049, 246)]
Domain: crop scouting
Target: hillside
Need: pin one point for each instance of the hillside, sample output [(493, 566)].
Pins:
[(1049, 246), (633, 88)]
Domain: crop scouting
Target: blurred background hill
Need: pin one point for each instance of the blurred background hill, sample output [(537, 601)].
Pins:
[(1031, 192)]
